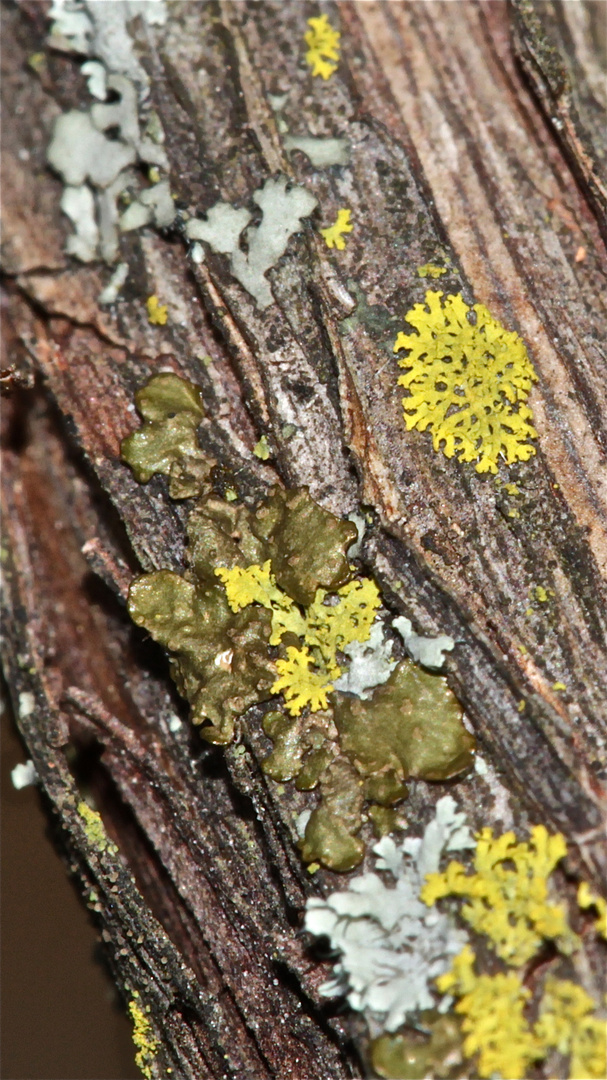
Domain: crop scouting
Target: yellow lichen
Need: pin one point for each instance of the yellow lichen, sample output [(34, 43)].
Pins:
[(323, 46), (262, 449), (559, 686), (586, 898), (324, 627), (157, 313), (146, 1043), (300, 685), (508, 894), (431, 271), (94, 828), (467, 382), (334, 235), (495, 1026), (255, 584), (567, 1024), (494, 1023)]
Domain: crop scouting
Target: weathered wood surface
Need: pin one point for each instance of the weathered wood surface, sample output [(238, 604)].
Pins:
[(452, 156)]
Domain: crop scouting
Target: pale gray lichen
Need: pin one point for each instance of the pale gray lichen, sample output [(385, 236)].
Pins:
[(370, 663), (24, 775), (109, 295), (322, 152), (96, 79), (80, 150), (427, 651), (283, 206), (222, 228), (95, 28), (78, 203), (391, 945), (153, 206)]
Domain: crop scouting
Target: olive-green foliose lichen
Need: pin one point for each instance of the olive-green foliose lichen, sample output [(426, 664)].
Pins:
[(266, 604), (433, 1050), (166, 442)]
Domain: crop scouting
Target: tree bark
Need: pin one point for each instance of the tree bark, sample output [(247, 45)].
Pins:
[(474, 139)]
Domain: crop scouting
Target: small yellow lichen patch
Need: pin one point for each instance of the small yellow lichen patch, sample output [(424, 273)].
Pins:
[(323, 46), (262, 449), (157, 313), (94, 827), (146, 1043), (468, 383), (508, 894), (566, 1023), (257, 585), (494, 1024), (333, 236), (541, 594), (300, 685), (431, 271), (559, 686), (586, 899)]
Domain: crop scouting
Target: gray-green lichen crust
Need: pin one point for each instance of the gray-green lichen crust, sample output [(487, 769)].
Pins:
[(355, 755)]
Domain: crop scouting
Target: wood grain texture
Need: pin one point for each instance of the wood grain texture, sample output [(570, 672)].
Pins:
[(451, 157)]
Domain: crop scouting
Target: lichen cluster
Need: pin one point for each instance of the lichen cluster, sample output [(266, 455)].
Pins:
[(508, 904), (393, 961), (467, 380), (268, 606)]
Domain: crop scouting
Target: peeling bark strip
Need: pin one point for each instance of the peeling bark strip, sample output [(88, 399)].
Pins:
[(452, 154)]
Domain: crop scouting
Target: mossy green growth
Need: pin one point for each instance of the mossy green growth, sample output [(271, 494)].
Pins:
[(412, 1055), (410, 727), (166, 442), (219, 659)]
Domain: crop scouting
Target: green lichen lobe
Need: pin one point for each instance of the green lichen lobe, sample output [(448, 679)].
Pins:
[(219, 660), (411, 727), (166, 442), (267, 603), (435, 1050)]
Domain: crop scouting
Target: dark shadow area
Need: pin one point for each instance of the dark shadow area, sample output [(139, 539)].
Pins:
[(61, 1019)]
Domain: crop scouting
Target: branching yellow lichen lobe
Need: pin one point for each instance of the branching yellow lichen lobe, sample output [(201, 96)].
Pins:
[(157, 312), (323, 46), (467, 382), (334, 235), (508, 893)]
